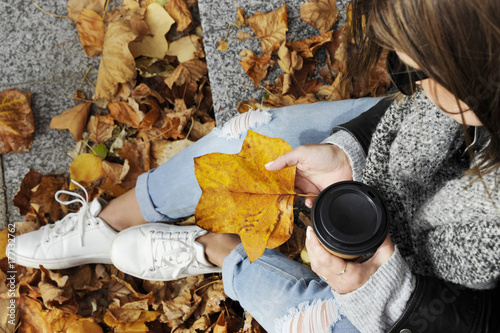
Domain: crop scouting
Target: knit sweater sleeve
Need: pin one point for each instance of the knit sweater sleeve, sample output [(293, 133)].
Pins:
[(376, 305)]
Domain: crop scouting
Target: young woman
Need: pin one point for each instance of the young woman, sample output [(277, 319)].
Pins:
[(441, 189)]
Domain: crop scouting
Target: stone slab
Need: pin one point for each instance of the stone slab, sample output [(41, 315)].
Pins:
[(3, 199), (37, 46), (228, 80)]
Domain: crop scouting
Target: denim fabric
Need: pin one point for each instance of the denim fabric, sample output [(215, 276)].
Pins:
[(273, 286), (171, 191)]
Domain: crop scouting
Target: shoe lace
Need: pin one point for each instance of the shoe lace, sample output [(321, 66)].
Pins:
[(72, 220), (171, 250)]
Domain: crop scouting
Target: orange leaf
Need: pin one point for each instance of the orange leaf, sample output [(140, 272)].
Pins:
[(241, 196), (16, 121), (76, 7), (4, 240), (271, 28), (321, 14), (124, 113), (74, 120), (90, 28), (256, 67)]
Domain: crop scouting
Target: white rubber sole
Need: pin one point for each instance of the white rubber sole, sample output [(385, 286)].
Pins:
[(61, 263)]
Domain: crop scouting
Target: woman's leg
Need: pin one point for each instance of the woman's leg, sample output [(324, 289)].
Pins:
[(282, 294), (171, 191)]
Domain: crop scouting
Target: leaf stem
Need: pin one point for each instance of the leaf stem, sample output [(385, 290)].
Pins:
[(46, 12), (306, 195)]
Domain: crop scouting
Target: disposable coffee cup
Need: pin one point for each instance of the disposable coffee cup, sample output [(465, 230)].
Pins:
[(350, 220)]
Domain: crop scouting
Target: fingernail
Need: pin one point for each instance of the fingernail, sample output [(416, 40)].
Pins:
[(308, 232), (308, 204), (269, 164)]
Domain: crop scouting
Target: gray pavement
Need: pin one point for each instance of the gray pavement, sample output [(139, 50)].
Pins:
[(42, 54)]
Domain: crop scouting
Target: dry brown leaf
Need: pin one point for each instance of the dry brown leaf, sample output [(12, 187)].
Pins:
[(179, 10), (100, 128), (307, 47), (289, 62), (220, 324), (321, 14), (90, 26), (16, 121), (137, 152), (239, 185), (117, 63), (124, 113), (187, 48), (74, 120), (241, 20), (164, 150), (271, 28), (154, 45), (42, 199), (189, 71), (256, 67), (76, 7), (199, 130)]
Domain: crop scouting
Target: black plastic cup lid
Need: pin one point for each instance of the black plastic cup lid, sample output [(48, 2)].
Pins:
[(350, 218)]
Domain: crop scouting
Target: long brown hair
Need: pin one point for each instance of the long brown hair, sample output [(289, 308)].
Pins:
[(455, 42)]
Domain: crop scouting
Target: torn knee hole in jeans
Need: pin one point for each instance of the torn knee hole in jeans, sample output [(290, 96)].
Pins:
[(241, 123), (316, 317)]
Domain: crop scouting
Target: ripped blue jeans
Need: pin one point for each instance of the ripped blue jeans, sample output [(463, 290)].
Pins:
[(273, 289)]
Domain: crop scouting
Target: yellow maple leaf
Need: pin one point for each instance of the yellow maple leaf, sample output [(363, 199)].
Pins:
[(271, 28), (240, 196)]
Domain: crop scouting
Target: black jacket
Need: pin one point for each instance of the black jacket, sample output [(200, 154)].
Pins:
[(435, 305)]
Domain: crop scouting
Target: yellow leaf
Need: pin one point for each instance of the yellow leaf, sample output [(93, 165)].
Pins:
[(86, 169), (271, 28), (74, 120), (90, 28), (321, 14), (186, 48), (16, 121), (222, 45), (76, 7), (159, 23), (241, 196)]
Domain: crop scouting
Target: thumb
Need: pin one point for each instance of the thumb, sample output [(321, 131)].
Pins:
[(285, 160)]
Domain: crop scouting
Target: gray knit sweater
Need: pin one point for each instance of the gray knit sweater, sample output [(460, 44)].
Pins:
[(443, 224)]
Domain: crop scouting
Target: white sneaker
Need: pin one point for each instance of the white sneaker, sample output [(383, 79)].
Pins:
[(79, 238), (161, 252)]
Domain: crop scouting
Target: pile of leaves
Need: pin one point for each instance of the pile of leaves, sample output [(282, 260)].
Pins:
[(304, 79), (151, 99)]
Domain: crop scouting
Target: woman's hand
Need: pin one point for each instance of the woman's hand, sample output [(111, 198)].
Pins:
[(354, 274), (318, 166)]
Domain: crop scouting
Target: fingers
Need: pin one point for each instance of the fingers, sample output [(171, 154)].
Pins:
[(322, 261), (285, 160)]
